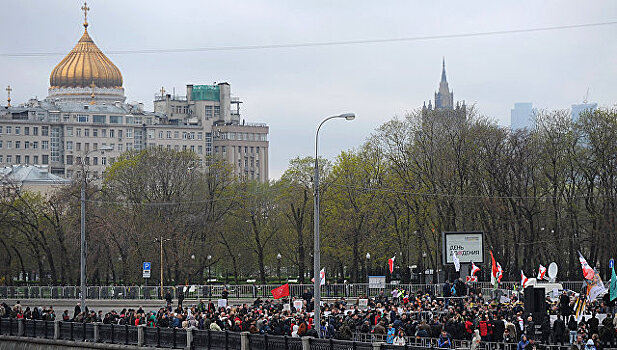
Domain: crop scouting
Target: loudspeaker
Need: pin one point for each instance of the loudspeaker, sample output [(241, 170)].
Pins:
[(535, 301)]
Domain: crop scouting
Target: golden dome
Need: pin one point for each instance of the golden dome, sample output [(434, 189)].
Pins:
[(84, 65)]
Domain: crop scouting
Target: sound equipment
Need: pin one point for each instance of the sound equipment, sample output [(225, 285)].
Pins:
[(535, 301)]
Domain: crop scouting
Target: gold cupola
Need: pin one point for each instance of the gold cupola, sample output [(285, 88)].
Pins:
[(86, 68)]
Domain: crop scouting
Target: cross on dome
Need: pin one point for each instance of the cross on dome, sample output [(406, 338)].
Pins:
[(85, 8)]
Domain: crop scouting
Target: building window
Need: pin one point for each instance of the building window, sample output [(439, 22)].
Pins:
[(78, 146), (0, 143), (17, 144), (184, 147), (35, 131), (78, 132), (169, 134), (17, 159), (184, 135), (46, 159), (17, 132), (98, 119), (9, 159), (82, 118), (69, 131), (26, 130), (176, 134), (45, 131), (112, 133), (9, 144), (199, 135), (27, 159), (209, 112), (95, 161), (103, 160), (115, 119), (69, 160), (8, 131), (103, 132), (0, 129), (217, 111), (35, 159), (150, 134), (86, 132), (45, 144), (192, 148), (119, 147), (160, 134), (129, 133), (95, 132), (200, 149), (35, 145)]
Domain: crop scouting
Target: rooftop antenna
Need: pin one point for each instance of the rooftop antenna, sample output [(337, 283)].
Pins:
[(586, 97)]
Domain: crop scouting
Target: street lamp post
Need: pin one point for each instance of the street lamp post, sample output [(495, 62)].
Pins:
[(161, 240), (368, 261), (278, 259), (316, 255), (82, 265), (424, 267)]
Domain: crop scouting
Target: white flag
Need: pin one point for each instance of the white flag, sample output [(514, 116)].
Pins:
[(457, 262)]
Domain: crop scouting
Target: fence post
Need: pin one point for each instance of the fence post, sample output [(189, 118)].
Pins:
[(20, 327), (306, 343), (57, 329), (244, 341), (140, 335), (189, 338), (97, 332)]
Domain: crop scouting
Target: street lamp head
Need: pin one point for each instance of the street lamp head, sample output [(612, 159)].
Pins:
[(368, 256), (348, 116), (424, 254), (278, 256), (193, 256), (209, 257)]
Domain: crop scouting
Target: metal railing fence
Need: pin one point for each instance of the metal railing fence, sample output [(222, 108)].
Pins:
[(242, 291)]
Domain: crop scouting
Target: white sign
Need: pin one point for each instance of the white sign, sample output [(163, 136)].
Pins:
[(469, 245), (298, 304), (146, 274), (222, 303), (286, 307), (377, 282), (363, 304)]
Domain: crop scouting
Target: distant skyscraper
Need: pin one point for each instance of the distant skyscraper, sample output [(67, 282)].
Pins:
[(521, 116), (577, 109)]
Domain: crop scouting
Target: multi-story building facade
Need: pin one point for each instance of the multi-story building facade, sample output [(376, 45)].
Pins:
[(522, 116), (85, 112)]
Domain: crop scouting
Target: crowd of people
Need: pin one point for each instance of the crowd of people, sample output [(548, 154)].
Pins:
[(398, 318)]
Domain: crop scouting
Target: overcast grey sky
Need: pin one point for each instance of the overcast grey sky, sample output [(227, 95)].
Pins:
[(293, 89)]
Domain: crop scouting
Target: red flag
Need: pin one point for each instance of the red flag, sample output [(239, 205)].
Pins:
[(588, 272), (474, 269), (541, 272), (499, 273), (524, 280), (391, 264), (494, 270), (282, 291)]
